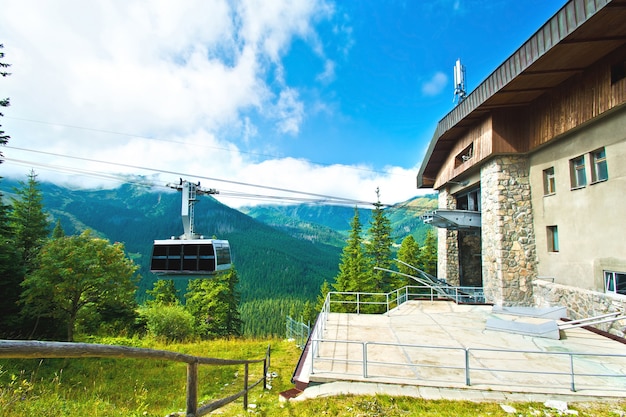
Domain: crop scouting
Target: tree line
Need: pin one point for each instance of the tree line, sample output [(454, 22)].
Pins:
[(364, 254), (53, 285)]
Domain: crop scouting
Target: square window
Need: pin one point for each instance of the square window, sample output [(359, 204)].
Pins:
[(577, 172), (615, 282), (618, 72), (553, 238), (464, 156), (549, 182), (599, 169)]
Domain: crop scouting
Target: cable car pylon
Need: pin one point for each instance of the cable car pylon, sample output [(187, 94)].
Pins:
[(189, 255)]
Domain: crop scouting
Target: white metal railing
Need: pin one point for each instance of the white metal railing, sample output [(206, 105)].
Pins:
[(470, 362), (464, 364), (397, 297), (297, 331)]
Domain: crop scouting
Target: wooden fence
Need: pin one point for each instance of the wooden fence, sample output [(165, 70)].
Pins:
[(38, 350)]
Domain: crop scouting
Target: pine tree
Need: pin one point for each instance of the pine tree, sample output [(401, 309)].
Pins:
[(379, 246), (321, 298), (428, 256), (408, 253), (163, 292), (58, 231), (355, 268), (29, 221), (11, 276), (308, 314), (214, 305)]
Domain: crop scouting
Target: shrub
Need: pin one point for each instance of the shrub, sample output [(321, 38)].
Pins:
[(171, 322)]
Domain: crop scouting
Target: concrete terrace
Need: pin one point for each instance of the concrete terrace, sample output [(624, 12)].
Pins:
[(421, 348)]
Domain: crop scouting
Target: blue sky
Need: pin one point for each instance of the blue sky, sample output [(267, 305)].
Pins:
[(331, 98)]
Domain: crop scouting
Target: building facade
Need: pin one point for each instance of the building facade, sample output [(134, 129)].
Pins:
[(531, 170)]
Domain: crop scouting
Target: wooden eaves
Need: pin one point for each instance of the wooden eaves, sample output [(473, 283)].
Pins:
[(579, 34)]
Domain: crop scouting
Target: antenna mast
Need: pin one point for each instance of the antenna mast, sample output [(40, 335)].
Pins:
[(459, 82), (189, 193)]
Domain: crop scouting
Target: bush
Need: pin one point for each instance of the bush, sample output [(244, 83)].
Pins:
[(171, 322)]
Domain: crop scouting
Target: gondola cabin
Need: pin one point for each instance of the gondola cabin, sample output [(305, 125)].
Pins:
[(189, 258)]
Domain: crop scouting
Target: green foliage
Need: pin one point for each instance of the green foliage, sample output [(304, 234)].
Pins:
[(289, 260), (163, 292), (355, 269), (131, 387), (408, 253), (428, 257), (12, 274), (321, 298), (378, 248), (170, 322), (29, 221), (77, 274), (134, 387), (58, 231), (213, 305), (266, 318)]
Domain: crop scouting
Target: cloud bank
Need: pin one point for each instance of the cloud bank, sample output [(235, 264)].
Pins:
[(182, 87)]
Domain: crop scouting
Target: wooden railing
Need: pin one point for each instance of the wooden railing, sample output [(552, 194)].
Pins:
[(37, 349)]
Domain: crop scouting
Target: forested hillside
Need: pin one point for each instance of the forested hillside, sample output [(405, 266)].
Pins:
[(331, 224), (270, 263), (282, 254)]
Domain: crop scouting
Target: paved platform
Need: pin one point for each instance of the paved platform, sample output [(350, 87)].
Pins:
[(421, 348)]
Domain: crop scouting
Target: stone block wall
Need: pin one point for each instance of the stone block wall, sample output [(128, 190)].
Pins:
[(581, 303), (447, 244), (508, 239)]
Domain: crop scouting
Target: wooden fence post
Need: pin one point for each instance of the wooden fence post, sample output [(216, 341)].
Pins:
[(245, 387), (192, 389)]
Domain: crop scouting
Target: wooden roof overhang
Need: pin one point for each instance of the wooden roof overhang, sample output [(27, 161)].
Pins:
[(579, 34)]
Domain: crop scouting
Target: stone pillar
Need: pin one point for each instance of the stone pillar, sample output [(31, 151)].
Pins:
[(508, 239), (448, 245)]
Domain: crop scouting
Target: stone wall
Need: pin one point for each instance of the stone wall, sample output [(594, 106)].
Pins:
[(581, 303), (447, 244), (508, 239)]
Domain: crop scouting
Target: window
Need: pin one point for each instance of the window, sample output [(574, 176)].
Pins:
[(577, 172), (599, 170), (469, 200), (549, 183), (618, 72), (553, 238), (464, 156), (615, 282)]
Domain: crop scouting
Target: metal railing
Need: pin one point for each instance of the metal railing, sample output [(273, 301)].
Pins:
[(298, 331), (566, 368), (384, 302), (38, 349), (470, 361)]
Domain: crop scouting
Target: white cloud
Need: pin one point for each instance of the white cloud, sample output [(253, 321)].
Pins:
[(435, 85), (328, 75), (167, 86), (289, 112)]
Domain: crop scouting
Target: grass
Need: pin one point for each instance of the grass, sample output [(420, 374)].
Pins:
[(129, 387)]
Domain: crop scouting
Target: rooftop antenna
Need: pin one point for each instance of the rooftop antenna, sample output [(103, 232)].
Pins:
[(459, 82)]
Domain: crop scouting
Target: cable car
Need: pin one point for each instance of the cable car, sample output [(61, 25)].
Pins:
[(189, 255)]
